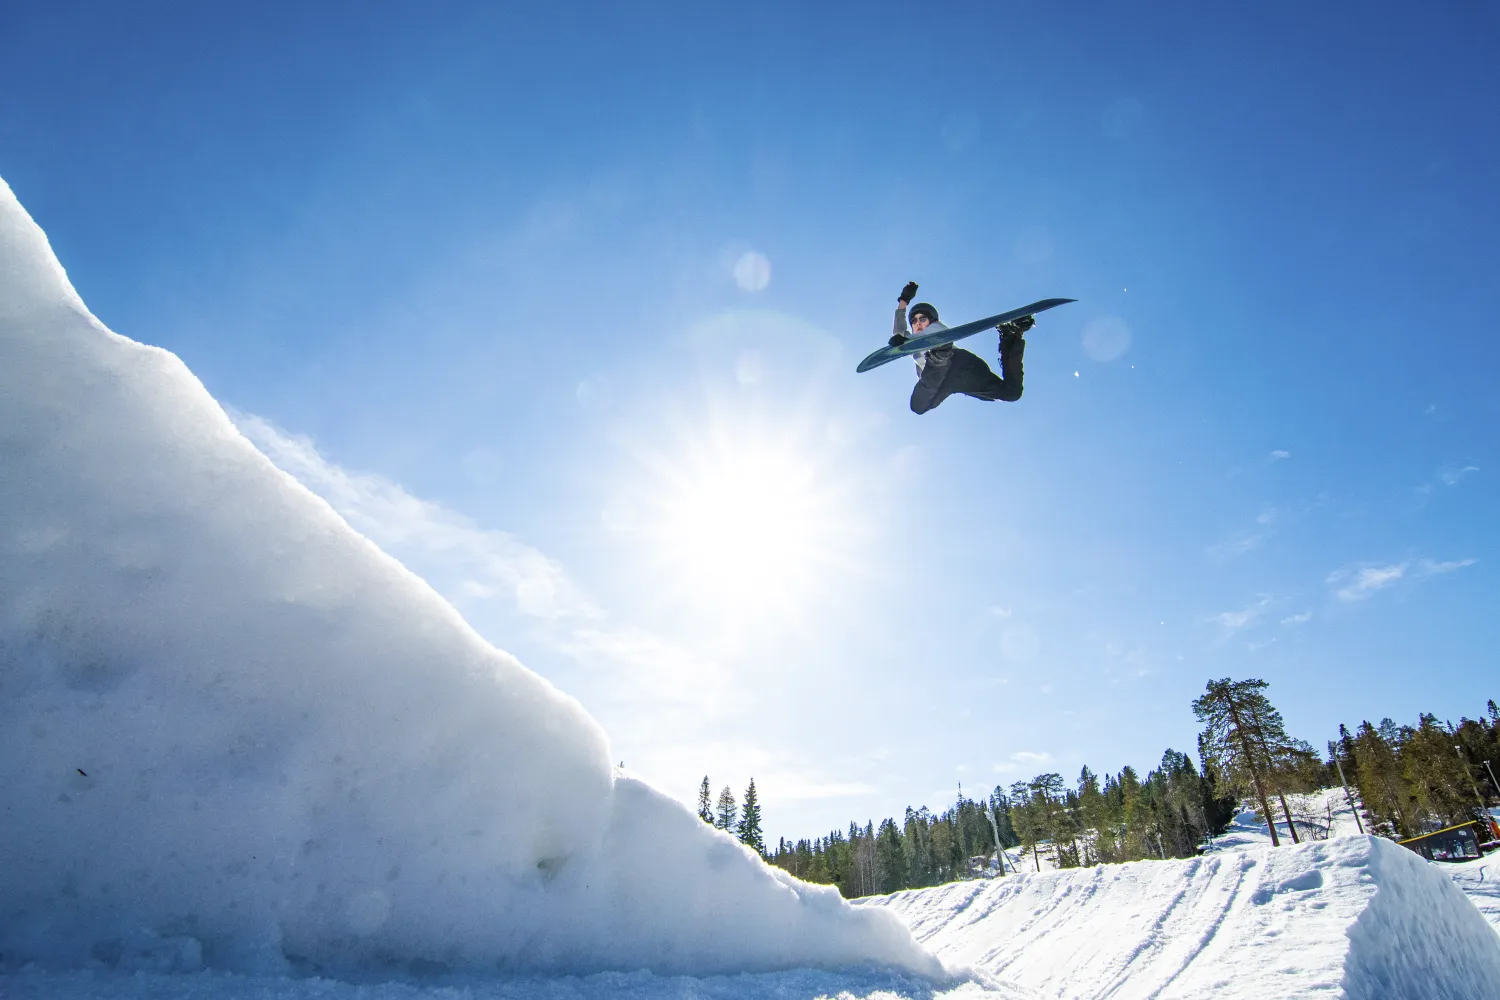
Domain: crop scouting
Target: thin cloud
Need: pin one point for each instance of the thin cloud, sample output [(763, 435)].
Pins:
[(641, 667), (1357, 583), (1453, 475), (1430, 568), (779, 776), (1237, 545), (457, 557), (1021, 761), (1299, 619), (1234, 621), (1249, 539), (641, 683), (1279, 455)]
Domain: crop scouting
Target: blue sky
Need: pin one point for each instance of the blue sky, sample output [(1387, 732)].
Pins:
[(563, 307)]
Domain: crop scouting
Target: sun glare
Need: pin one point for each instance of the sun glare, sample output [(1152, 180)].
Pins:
[(745, 525)]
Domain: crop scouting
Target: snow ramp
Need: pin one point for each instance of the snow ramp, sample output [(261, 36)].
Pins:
[(235, 734), (1357, 918)]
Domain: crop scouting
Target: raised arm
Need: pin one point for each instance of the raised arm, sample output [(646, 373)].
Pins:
[(899, 331)]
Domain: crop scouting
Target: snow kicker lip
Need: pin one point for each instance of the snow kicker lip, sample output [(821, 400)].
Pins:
[(947, 336)]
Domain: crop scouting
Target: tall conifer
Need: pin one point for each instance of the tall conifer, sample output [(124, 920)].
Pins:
[(1234, 740), (728, 810), (749, 826), (705, 809)]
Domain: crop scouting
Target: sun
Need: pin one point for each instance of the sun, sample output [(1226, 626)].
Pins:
[(745, 522)]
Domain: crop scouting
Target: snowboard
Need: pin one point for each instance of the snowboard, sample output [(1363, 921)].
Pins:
[(935, 337)]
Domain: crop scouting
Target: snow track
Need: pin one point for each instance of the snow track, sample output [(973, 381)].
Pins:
[(1356, 917)]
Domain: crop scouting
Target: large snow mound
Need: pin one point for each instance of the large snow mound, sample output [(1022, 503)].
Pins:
[(1356, 917), (235, 734)]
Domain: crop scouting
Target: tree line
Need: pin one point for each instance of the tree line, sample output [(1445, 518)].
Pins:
[(1414, 779), (1409, 780)]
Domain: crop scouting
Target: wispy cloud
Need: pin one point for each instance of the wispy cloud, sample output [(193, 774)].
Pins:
[(481, 570), (1022, 761), (465, 562), (1428, 567), (779, 776), (1299, 619), (1356, 583), (1449, 475), (1279, 455), (1248, 539), (1452, 475), (1234, 621), (640, 666)]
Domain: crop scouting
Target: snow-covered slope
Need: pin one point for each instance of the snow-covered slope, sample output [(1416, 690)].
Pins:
[(234, 733), (1355, 917), (1480, 881)]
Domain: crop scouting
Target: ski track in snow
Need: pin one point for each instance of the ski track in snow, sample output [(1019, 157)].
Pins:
[(1480, 881), (1351, 917)]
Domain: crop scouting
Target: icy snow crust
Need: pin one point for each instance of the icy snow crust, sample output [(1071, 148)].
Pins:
[(235, 734), (1356, 917)]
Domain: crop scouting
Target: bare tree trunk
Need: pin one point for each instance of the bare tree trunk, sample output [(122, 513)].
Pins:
[(1288, 813), (1265, 806)]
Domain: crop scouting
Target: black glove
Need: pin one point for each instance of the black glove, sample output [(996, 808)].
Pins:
[(896, 340), (1017, 326), (909, 292)]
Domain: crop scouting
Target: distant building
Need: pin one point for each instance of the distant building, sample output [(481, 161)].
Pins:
[(1452, 843)]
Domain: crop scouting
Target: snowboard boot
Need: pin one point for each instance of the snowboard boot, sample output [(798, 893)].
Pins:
[(1016, 327)]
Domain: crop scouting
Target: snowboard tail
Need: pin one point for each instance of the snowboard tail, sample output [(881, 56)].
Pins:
[(948, 335)]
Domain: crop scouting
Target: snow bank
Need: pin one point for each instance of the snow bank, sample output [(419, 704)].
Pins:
[(234, 733), (1356, 917)]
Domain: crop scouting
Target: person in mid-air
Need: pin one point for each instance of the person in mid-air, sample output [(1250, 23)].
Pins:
[(946, 370)]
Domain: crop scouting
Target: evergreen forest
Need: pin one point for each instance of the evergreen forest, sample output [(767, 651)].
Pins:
[(1404, 779)]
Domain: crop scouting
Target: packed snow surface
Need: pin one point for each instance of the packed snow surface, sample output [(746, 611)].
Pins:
[(1480, 881), (235, 734), (243, 753), (1355, 917)]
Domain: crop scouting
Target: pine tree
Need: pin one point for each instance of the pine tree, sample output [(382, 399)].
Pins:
[(1028, 818), (705, 810), (1240, 730), (728, 810), (1382, 787), (890, 858), (749, 825)]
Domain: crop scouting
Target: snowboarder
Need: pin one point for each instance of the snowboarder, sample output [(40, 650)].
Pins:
[(946, 370)]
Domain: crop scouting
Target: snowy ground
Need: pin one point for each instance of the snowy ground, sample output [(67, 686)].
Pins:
[(245, 754), (1356, 917), (1480, 881), (1318, 816), (801, 984)]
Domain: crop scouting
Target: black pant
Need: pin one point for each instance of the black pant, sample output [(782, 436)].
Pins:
[(963, 372)]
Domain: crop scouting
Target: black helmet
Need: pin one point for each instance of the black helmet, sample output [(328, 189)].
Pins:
[(922, 309)]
